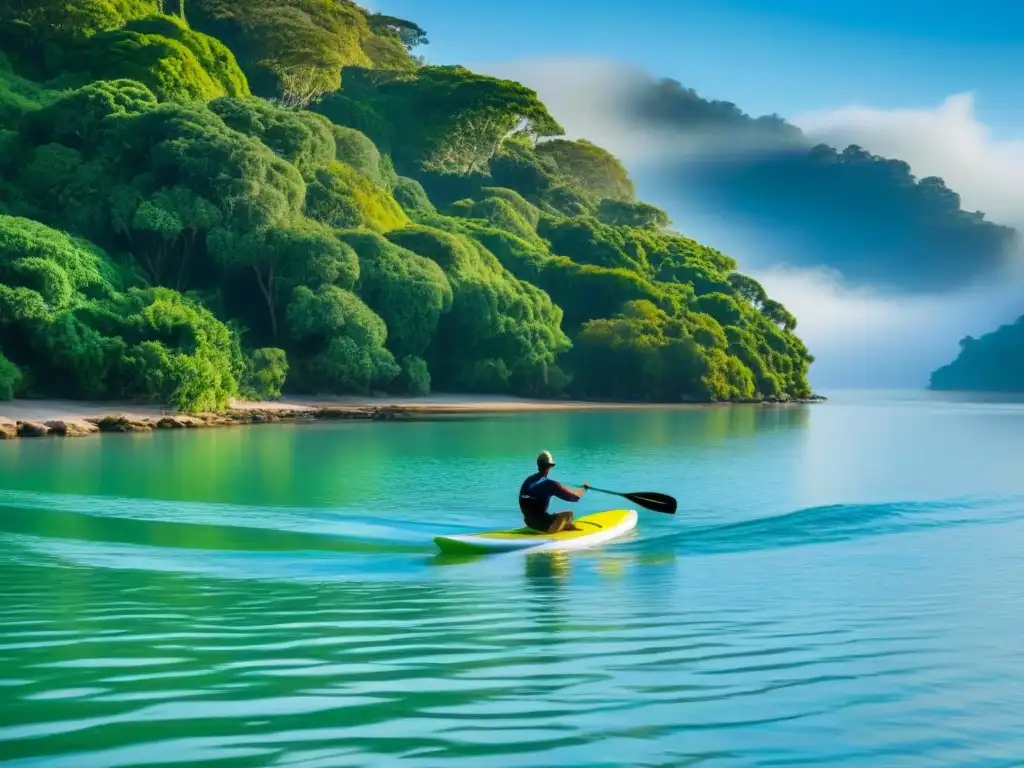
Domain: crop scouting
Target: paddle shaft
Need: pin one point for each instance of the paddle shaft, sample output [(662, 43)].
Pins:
[(602, 490)]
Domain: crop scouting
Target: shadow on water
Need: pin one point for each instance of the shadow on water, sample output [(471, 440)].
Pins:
[(450, 559)]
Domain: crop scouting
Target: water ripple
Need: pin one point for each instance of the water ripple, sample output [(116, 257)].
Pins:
[(148, 633)]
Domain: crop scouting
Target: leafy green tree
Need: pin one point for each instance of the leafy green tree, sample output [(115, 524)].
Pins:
[(590, 167), (215, 58), (642, 354), (411, 196), (748, 289), (264, 373), (295, 50), (743, 345), (283, 258), (304, 139), (354, 148), (75, 19), (778, 314), (622, 213), (10, 378), (293, 231), (163, 231), (494, 317), (339, 341), (588, 241), (518, 166), (705, 330), (410, 292), (18, 97), (66, 322), (149, 168), (168, 65), (719, 306), (499, 214), (180, 144), (58, 268), (415, 376), (445, 119), (409, 33), (526, 210), (176, 351), (341, 197), (588, 292), (82, 118)]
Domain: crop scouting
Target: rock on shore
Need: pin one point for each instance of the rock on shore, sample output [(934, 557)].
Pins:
[(71, 428), (264, 413)]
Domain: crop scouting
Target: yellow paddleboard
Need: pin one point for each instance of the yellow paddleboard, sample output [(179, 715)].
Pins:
[(593, 529)]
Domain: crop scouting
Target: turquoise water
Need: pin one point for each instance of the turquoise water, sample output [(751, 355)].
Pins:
[(841, 586)]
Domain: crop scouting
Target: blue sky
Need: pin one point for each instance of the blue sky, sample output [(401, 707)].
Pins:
[(785, 56)]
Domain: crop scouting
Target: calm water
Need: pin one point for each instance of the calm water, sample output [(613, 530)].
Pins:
[(842, 585)]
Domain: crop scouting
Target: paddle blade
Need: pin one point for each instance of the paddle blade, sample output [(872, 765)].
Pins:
[(656, 502)]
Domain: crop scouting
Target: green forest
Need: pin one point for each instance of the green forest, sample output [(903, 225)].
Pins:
[(212, 199)]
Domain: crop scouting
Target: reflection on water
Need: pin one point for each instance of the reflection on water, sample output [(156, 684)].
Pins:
[(841, 585), (548, 567)]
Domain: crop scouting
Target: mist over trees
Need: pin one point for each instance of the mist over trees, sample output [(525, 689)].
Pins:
[(863, 215)]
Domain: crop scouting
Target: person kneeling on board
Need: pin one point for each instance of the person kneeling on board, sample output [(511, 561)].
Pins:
[(535, 495)]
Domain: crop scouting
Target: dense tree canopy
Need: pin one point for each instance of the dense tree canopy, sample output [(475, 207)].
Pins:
[(71, 329), (409, 33), (440, 118), (594, 169), (176, 226), (296, 49), (68, 20)]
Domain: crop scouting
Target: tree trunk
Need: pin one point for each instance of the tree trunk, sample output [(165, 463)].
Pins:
[(147, 264), (190, 240), (268, 293)]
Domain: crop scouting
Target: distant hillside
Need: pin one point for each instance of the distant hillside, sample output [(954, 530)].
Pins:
[(234, 197), (864, 215), (992, 363)]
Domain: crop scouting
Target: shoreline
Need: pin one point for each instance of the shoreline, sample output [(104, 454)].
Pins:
[(67, 418)]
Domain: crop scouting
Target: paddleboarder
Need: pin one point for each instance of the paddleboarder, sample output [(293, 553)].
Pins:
[(535, 495)]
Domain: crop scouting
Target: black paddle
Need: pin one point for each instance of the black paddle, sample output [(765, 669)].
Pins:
[(656, 502)]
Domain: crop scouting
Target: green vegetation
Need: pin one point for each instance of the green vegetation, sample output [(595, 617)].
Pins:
[(78, 332), (235, 199), (992, 363), (296, 49)]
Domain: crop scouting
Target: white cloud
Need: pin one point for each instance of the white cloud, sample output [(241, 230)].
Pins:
[(590, 98), (586, 96), (947, 140), (856, 331), (862, 339)]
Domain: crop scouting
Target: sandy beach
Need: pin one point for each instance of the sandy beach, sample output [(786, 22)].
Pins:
[(37, 418)]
